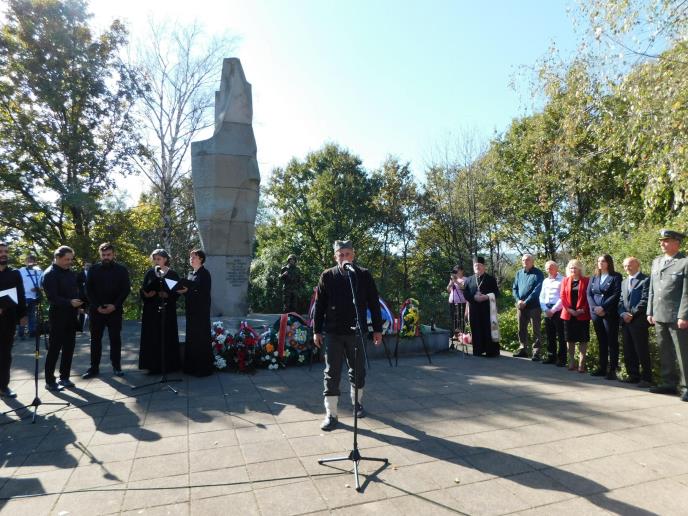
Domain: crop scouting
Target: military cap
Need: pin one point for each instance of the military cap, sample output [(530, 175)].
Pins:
[(291, 257), (342, 244), (666, 234), (479, 259)]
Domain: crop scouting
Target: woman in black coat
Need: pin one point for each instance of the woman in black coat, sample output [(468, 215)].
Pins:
[(198, 351), (156, 294), (604, 291)]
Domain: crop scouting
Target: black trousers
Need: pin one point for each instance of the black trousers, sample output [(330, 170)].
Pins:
[(607, 331), (457, 315), (338, 348), (554, 328), (636, 348), (62, 338), (6, 341), (113, 323)]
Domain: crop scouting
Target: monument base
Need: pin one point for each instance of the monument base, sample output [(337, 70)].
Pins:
[(229, 293)]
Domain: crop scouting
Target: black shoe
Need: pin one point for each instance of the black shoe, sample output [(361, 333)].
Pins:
[(7, 393), (359, 411), (90, 373), (54, 387), (599, 372), (66, 383), (644, 384), (521, 353), (329, 423), (117, 371), (549, 360), (535, 357), (664, 389), (684, 396), (561, 363)]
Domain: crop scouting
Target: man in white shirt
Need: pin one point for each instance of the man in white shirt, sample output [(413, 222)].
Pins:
[(550, 303), (31, 276)]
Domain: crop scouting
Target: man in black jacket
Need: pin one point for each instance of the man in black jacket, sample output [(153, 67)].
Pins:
[(11, 312), (61, 289), (107, 287), (335, 314)]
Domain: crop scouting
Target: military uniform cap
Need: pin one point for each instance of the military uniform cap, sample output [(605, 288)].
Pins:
[(666, 234), (342, 244), (291, 257)]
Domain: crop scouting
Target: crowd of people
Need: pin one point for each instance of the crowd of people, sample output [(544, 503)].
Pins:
[(97, 294), (614, 304)]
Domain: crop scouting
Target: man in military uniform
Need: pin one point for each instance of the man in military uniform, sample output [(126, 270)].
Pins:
[(335, 314), (291, 282), (668, 310)]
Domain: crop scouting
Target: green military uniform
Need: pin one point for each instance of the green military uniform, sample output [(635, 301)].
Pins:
[(667, 303), (291, 284)]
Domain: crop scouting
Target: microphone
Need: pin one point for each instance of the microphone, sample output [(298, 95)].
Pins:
[(348, 266), (158, 271)]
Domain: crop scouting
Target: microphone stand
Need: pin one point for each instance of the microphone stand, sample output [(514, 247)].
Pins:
[(354, 454), (40, 328), (162, 309)]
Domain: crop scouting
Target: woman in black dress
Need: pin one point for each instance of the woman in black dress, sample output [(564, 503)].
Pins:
[(198, 351), (156, 295)]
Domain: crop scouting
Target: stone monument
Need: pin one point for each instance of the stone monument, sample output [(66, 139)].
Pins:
[(225, 184)]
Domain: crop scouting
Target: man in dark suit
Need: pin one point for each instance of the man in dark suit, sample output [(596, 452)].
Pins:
[(335, 315), (12, 311), (107, 287), (634, 326), (62, 291), (667, 309)]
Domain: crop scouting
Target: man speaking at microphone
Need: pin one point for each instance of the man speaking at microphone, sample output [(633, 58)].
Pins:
[(335, 315)]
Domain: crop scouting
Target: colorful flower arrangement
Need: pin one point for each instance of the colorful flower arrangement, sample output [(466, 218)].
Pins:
[(410, 318), (288, 341), (239, 351)]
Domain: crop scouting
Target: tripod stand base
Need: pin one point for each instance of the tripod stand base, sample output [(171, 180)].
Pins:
[(355, 457), (35, 404), (163, 382)]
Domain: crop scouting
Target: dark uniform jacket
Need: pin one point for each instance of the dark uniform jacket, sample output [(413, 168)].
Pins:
[(334, 310)]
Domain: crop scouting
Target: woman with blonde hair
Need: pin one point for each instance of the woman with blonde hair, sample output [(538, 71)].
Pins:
[(575, 313)]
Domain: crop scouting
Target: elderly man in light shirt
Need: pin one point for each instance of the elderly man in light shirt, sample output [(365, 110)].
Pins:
[(550, 303)]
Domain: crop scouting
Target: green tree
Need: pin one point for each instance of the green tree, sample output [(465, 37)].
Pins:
[(66, 129)]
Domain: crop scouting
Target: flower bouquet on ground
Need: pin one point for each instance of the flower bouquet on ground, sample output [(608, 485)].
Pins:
[(234, 352), (245, 349), (222, 342), (269, 356)]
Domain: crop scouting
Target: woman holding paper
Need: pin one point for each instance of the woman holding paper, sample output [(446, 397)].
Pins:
[(198, 351), (159, 318)]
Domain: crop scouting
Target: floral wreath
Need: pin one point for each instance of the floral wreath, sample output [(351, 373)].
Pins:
[(239, 351), (409, 318)]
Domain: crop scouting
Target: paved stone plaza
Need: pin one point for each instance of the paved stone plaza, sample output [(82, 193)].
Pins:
[(463, 436)]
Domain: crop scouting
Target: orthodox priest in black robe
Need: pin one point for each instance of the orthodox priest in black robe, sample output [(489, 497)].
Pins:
[(198, 351), (155, 294), (477, 289)]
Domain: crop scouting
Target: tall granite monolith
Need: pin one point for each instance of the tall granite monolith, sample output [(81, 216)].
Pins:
[(226, 181)]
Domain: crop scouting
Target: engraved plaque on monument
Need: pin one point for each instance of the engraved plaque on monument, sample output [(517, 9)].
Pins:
[(225, 183)]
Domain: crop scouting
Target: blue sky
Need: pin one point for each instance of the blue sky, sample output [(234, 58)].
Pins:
[(378, 77)]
